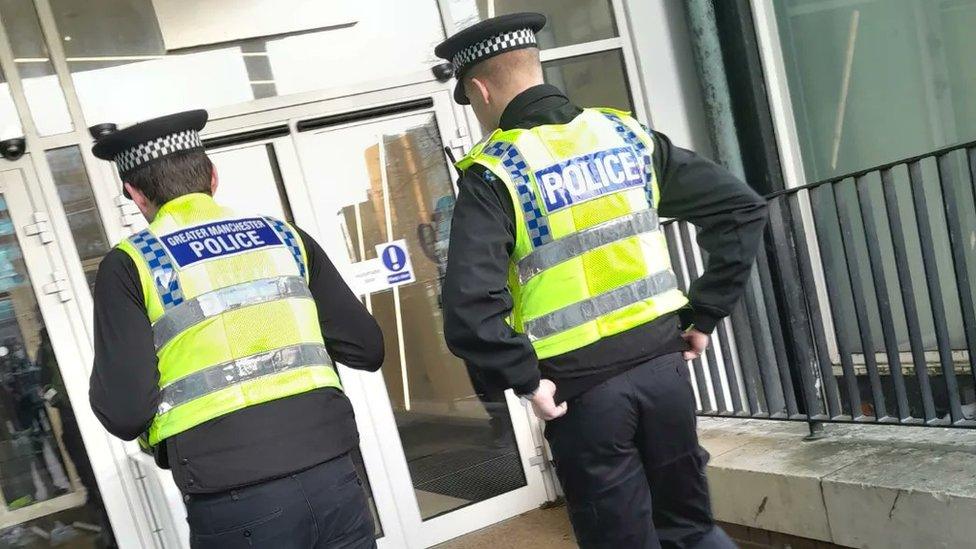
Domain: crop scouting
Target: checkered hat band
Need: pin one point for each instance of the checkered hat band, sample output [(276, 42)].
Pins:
[(131, 159), (490, 46)]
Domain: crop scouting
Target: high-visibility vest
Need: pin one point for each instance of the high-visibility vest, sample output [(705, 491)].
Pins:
[(234, 323), (590, 258)]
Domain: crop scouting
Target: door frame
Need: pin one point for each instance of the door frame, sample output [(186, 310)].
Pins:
[(384, 459), (62, 315)]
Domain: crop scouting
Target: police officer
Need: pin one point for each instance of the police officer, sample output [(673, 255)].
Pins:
[(215, 340), (559, 283)]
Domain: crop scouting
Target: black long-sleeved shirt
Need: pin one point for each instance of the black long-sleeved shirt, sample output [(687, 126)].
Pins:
[(729, 215), (257, 443)]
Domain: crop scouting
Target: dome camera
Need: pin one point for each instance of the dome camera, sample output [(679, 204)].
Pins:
[(443, 72), (13, 149), (99, 131)]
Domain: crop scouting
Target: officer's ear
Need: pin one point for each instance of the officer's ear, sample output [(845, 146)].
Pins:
[(214, 180), (146, 207), (479, 89)]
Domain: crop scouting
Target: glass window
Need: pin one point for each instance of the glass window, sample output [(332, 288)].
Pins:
[(594, 80), (41, 84), (877, 82), (570, 21), (48, 493), (9, 119), (873, 82), (134, 59), (75, 192)]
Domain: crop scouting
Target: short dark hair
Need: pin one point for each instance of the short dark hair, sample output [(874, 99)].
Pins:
[(503, 66), (173, 176)]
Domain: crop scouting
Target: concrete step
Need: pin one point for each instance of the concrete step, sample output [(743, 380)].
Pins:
[(858, 486)]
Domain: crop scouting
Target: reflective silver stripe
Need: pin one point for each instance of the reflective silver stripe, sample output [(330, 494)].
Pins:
[(584, 311), (196, 310), (238, 371), (574, 245)]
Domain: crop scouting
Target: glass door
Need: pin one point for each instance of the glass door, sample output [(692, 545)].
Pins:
[(456, 451), (262, 177), (49, 491)]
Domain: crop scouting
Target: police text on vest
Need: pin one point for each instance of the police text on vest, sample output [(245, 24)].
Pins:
[(193, 244), (589, 176)]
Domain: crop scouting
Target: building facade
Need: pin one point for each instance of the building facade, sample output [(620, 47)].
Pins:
[(329, 114)]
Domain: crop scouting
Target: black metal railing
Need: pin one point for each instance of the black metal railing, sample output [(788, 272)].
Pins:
[(861, 305)]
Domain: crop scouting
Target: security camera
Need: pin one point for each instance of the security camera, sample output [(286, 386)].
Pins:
[(13, 149), (99, 131), (443, 72)]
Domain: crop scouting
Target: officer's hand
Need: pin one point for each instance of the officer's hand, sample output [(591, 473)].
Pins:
[(543, 403), (697, 343)]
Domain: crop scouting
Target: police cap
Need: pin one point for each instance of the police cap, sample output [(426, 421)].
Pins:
[(150, 141), (487, 39)]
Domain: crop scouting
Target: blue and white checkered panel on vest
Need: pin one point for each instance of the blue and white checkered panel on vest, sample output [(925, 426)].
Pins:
[(161, 267), (518, 172), (640, 148), (291, 241)]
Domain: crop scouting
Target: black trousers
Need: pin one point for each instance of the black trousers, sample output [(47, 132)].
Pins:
[(628, 458), (324, 506)]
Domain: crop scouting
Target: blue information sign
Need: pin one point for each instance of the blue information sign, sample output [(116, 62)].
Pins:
[(396, 262)]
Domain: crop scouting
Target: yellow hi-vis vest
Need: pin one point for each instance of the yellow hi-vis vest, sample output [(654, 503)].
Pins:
[(234, 323), (590, 259)]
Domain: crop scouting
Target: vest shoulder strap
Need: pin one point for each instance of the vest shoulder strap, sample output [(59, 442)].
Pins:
[(289, 235), (471, 157), (162, 269), (640, 140)]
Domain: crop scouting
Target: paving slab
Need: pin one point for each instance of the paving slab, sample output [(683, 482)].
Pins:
[(905, 497), (538, 529)]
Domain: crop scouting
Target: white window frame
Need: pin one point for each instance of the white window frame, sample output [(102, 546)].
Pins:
[(788, 145)]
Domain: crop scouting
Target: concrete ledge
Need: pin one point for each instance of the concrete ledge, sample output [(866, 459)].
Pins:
[(859, 486)]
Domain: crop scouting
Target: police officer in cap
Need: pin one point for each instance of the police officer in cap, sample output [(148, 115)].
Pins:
[(559, 283), (216, 337)]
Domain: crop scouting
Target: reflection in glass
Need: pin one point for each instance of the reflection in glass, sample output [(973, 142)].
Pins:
[(42, 456), (75, 192), (126, 55), (40, 82), (251, 183), (455, 429), (594, 80), (845, 86), (570, 21), (855, 108)]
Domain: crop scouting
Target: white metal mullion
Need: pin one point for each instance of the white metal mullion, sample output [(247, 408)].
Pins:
[(52, 40), (788, 144), (9, 68), (105, 187), (631, 66), (577, 50), (57, 141), (447, 19), (781, 107), (397, 312), (636, 76)]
